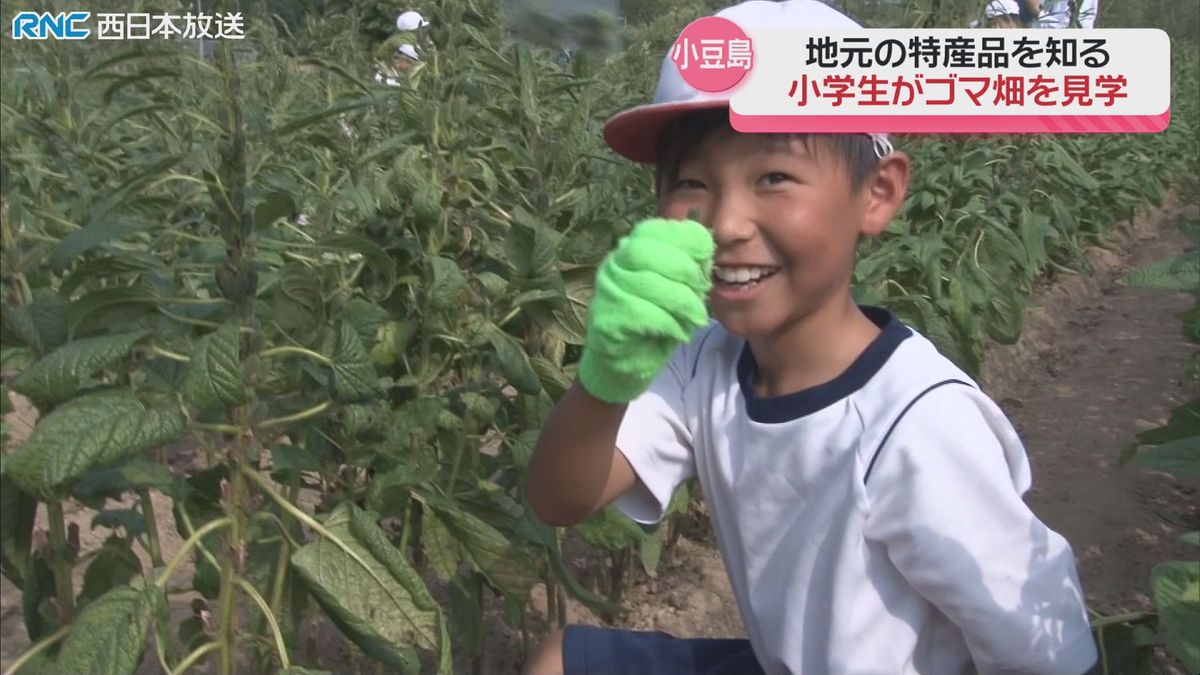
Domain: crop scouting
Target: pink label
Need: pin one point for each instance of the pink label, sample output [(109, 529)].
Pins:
[(712, 54)]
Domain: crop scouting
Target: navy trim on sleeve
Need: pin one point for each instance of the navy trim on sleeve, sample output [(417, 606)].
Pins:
[(779, 409), (700, 350), (899, 417)]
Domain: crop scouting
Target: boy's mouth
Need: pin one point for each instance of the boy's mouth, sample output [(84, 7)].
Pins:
[(741, 276)]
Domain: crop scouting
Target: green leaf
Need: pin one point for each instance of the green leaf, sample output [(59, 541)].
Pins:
[(353, 377), (17, 511), (40, 664), (380, 271), (114, 264), (131, 475), (442, 551), (1005, 315), (99, 428), (505, 565), (109, 635), (98, 307), (58, 375), (449, 285), (308, 120), (277, 205), (650, 551), (199, 498), (1177, 597), (1181, 273), (1128, 648), (373, 596), (466, 613), (40, 325), (115, 565), (552, 377), (531, 245), (130, 520), (214, 375), (1180, 458), (366, 317), (587, 245), (514, 363), (1184, 422), (610, 530), (301, 285), (36, 598), (94, 234), (1192, 538), (494, 284)]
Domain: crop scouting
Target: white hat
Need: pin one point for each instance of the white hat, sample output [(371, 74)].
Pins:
[(410, 20), (409, 51), (633, 133), (1001, 8)]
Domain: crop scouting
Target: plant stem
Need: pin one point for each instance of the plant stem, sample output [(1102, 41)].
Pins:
[(282, 351), (194, 658), (551, 600), (193, 540), (63, 587), (151, 527), (217, 428), (306, 519), (231, 559), (38, 648), (1132, 617), (404, 524), (297, 417), (254, 595), (168, 354)]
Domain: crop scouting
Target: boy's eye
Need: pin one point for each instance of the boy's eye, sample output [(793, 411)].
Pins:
[(689, 184), (775, 177)]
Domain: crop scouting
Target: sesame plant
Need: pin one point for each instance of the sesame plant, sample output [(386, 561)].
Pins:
[(324, 321)]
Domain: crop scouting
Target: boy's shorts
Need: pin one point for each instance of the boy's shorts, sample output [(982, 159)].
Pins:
[(595, 650)]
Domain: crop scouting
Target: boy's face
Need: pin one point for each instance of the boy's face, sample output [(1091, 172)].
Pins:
[(786, 223)]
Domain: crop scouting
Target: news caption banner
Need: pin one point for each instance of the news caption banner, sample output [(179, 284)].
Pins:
[(127, 26), (931, 80)]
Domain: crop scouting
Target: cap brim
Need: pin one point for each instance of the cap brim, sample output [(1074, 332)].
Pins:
[(633, 133)]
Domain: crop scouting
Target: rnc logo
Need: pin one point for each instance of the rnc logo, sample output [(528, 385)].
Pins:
[(41, 25)]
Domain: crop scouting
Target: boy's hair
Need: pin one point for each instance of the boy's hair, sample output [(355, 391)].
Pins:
[(684, 135)]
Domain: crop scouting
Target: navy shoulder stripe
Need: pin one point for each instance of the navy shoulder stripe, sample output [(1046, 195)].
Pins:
[(899, 417), (700, 350)]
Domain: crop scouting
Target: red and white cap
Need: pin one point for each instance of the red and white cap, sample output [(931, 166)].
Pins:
[(633, 133)]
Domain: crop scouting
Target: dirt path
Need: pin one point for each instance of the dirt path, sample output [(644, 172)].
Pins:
[(1114, 368)]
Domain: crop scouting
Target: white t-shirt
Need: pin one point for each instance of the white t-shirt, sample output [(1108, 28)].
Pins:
[(857, 544), (1057, 14)]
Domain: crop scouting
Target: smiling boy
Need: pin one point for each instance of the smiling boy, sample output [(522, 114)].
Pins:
[(865, 494)]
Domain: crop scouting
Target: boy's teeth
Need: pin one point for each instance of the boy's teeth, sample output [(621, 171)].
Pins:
[(741, 275)]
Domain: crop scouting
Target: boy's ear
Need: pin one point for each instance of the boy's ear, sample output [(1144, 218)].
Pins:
[(886, 189)]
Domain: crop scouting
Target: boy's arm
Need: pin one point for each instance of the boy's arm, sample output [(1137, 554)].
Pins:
[(576, 469), (649, 299), (945, 502)]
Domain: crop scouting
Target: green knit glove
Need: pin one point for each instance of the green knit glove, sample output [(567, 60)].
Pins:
[(650, 297)]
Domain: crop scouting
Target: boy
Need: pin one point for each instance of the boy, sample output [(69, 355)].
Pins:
[(866, 496)]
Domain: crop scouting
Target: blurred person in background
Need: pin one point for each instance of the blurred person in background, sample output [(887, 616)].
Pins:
[(1000, 14)]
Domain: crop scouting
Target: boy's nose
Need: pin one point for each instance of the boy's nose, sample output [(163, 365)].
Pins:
[(729, 222)]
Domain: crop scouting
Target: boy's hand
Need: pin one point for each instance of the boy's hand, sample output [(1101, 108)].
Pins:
[(649, 297)]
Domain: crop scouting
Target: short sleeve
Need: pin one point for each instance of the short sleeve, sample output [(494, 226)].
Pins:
[(655, 439), (945, 501)]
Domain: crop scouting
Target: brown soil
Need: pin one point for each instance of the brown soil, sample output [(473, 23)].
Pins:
[(1096, 363)]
